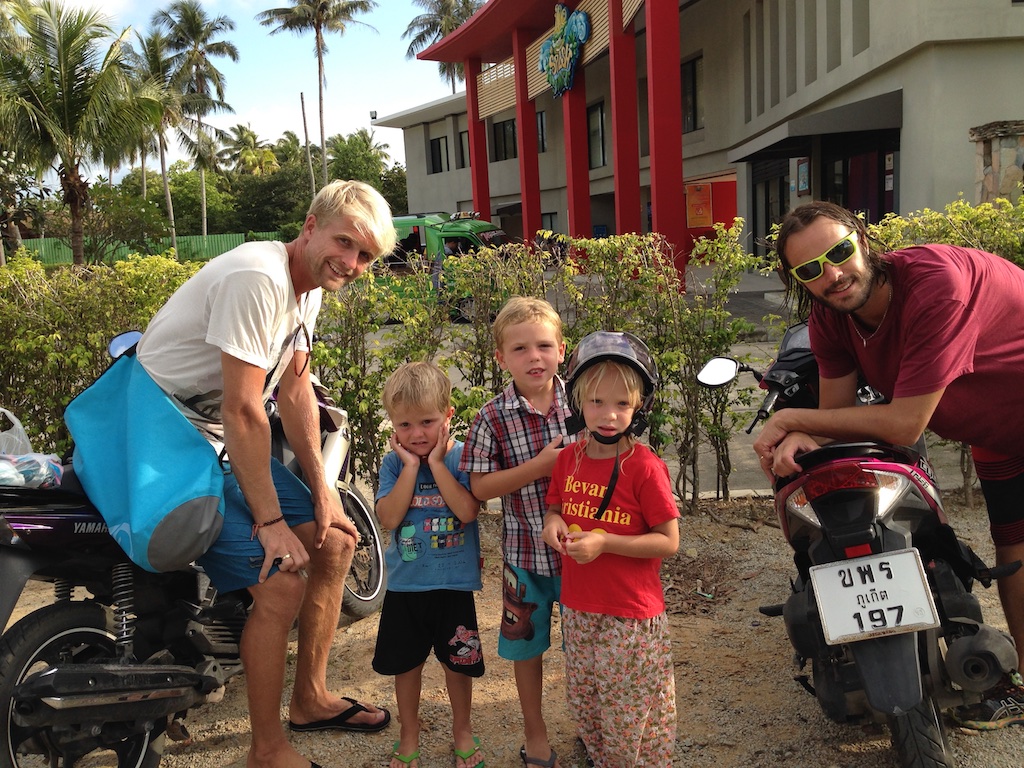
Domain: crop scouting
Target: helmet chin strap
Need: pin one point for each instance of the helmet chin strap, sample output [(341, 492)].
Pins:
[(609, 439)]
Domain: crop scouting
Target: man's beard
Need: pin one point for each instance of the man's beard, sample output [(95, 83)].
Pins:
[(865, 285)]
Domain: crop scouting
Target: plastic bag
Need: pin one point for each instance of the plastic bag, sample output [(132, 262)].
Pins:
[(14, 441), (33, 470), (9, 474)]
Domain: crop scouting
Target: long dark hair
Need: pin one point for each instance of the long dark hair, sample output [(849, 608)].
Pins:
[(799, 219)]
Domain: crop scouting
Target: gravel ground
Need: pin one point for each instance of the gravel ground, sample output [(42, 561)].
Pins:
[(738, 703)]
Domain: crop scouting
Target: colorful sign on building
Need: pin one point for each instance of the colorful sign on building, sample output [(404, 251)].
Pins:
[(560, 53)]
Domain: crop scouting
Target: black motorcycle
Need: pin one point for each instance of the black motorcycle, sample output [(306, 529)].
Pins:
[(881, 607), (121, 654)]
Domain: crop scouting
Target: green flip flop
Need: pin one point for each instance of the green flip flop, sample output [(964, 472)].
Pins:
[(407, 759), (465, 754)]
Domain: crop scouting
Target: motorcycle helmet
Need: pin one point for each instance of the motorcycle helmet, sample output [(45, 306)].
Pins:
[(619, 347)]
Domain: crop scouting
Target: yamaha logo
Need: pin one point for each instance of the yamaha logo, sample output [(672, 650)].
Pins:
[(90, 528)]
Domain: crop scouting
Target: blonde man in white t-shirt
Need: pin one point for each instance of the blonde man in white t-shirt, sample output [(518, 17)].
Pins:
[(231, 334)]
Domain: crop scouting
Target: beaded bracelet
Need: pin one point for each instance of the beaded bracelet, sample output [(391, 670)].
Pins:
[(256, 526)]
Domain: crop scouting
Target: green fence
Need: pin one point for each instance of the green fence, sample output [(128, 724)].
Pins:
[(190, 247)]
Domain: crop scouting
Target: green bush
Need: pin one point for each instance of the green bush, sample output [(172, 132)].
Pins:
[(56, 328)]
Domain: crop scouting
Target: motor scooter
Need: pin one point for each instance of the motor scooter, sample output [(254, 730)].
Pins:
[(881, 608), (112, 665)]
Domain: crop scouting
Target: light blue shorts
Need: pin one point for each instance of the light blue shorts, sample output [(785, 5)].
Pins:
[(527, 601), (235, 559)]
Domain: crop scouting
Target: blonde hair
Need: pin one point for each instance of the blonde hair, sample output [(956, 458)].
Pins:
[(594, 374), (525, 309), (365, 208), (417, 385), (589, 381)]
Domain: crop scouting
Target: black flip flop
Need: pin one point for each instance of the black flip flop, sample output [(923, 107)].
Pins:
[(340, 722)]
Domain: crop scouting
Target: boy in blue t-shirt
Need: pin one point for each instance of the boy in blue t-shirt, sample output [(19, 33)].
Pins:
[(433, 560)]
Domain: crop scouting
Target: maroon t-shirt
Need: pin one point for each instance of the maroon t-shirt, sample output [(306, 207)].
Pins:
[(956, 321)]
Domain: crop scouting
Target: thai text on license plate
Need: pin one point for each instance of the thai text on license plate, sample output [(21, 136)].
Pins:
[(884, 594)]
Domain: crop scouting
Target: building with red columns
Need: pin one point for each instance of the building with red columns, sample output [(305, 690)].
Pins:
[(669, 115)]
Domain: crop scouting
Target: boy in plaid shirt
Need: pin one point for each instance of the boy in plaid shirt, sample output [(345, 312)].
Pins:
[(510, 452)]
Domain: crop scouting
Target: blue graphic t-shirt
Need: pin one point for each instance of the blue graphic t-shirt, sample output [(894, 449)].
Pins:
[(432, 548)]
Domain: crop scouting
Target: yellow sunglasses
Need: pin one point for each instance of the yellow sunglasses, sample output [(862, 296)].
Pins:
[(840, 253)]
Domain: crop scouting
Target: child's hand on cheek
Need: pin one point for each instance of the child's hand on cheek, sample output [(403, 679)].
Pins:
[(440, 449), (408, 458)]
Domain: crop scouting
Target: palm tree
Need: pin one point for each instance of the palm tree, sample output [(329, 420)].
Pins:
[(153, 63), (247, 153), (288, 148), (357, 156), (442, 17), (191, 34), (66, 97), (320, 16)]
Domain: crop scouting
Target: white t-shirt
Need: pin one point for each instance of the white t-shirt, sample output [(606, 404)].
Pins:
[(242, 303)]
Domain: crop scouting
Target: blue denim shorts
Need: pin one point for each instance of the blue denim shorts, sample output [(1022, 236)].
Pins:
[(235, 559)]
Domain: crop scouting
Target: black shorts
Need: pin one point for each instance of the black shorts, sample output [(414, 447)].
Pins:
[(1002, 482), (411, 623)]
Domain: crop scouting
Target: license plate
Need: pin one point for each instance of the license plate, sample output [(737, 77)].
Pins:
[(884, 594)]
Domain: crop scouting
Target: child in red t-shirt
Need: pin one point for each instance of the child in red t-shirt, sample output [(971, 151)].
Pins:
[(612, 516)]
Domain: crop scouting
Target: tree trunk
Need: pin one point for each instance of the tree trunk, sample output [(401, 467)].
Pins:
[(202, 199), (202, 177), (309, 155), (76, 197), (142, 165), (323, 133), (11, 234), (167, 194)]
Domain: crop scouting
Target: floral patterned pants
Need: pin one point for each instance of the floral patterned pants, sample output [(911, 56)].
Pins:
[(621, 688)]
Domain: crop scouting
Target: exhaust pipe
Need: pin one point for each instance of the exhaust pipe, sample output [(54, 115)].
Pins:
[(977, 662), (103, 693)]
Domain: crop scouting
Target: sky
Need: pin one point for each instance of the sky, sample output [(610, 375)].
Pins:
[(365, 70)]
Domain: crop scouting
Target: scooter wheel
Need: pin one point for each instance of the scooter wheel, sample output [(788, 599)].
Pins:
[(60, 634), (920, 739), (367, 578)]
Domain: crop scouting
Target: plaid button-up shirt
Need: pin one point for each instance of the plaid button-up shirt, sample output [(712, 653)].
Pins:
[(507, 432)]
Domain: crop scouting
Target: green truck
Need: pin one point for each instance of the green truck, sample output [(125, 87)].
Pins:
[(422, 238)]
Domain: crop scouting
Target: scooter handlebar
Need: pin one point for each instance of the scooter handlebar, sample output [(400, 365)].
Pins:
[(765, 410)]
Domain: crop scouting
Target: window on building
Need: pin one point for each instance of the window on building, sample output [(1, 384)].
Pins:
[(595, 135), (542, 132), (693, 94), (438, 155), (505, 140), (462, 161), (549, 221)]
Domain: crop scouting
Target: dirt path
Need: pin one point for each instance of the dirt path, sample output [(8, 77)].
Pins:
[(738, 703)]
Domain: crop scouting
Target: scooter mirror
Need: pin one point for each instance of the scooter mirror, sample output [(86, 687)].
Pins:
[(123, 342), (718, 371)]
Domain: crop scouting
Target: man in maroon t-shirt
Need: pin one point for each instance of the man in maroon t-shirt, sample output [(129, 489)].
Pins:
[(939, 331)]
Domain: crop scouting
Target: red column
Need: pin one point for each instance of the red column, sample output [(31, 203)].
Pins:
[(665, 108), (526, 138), (625, 124), (577, 159), (477, 143)]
